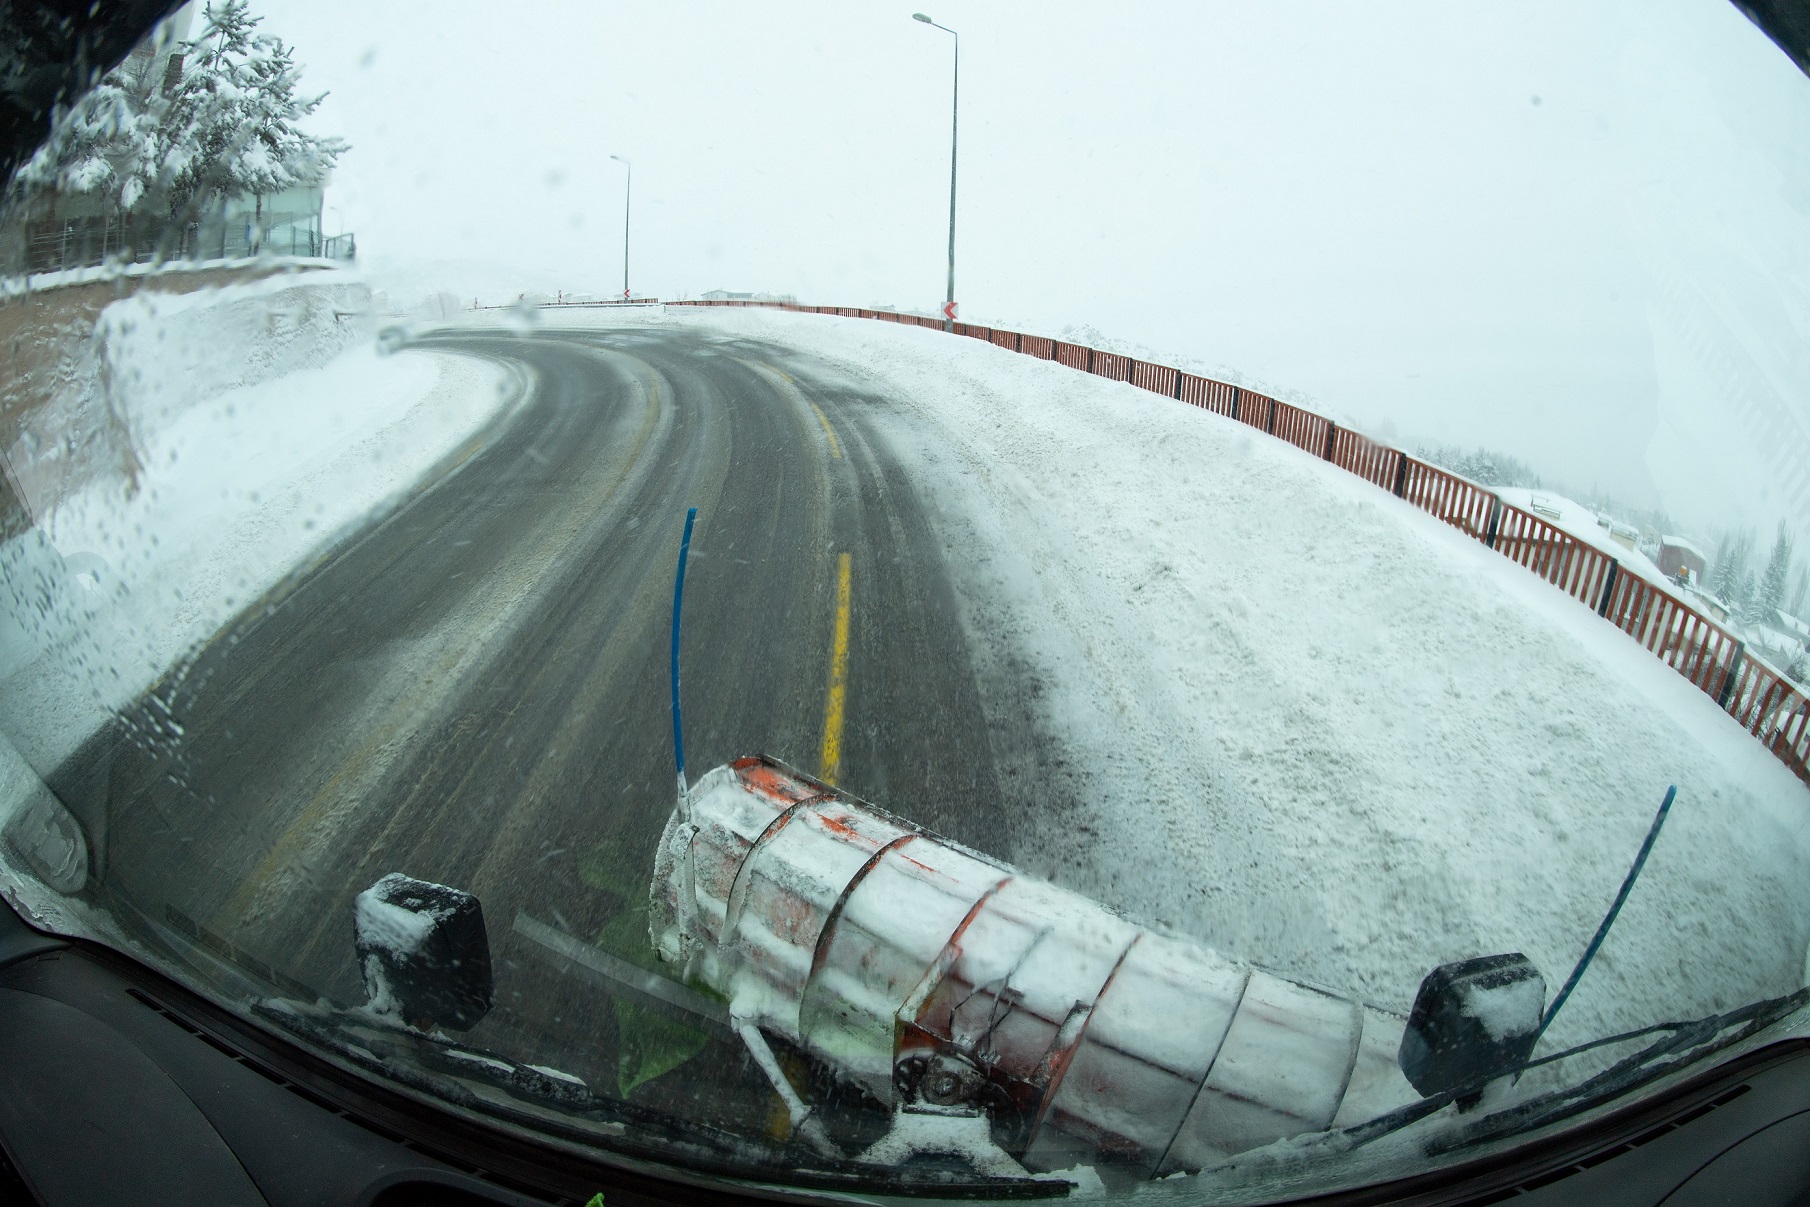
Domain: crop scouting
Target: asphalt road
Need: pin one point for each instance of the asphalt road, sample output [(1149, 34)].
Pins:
[(473, 689)]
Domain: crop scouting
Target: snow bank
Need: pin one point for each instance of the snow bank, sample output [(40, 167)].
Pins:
[(261, 434), (165, 353), (1308, 723), (78, 402), (38, 282)]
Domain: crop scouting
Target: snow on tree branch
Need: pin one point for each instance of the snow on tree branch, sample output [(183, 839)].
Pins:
[(226, 126)]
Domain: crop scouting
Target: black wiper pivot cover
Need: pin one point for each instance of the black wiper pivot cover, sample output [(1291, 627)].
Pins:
[(1473, 1021), (424, 952)]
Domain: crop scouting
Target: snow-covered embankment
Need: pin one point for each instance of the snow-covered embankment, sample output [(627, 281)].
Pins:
[(1310, 724), (262, 420)]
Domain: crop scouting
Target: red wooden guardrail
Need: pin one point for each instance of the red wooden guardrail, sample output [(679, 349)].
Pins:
[(1579, 570), (1758, 696)]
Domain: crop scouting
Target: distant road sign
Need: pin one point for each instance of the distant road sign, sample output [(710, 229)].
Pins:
[(625, 295), (949, 311)]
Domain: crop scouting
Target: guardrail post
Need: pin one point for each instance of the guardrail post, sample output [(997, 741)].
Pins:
[(1235, 395), (1178, 385), (1725, 697), (1332, 431), (1401, 474), (1021, 341), (1602, 608), (1270, 425), (1090, 360), (1495, 521)]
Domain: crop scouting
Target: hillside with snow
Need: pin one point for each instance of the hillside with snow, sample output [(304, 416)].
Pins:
[(1290, 714), (1309, 723)]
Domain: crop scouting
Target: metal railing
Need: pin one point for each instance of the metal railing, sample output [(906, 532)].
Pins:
[(539, 303), (1759, 696), (56, 246)]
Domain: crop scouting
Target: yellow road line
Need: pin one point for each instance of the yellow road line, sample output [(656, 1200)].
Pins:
[(761, 366), (832, 709), (835, 448)]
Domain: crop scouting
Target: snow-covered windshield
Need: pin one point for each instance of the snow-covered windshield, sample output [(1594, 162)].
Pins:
[(1003, 603)]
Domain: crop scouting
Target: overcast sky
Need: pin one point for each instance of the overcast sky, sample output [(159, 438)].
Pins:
[(1577, 233)]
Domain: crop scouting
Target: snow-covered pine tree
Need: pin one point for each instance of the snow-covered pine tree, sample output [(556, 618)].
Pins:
[(98, 146), (1732, 549), (230, 126), (1483, 466), (1769, 595), (226, 129)]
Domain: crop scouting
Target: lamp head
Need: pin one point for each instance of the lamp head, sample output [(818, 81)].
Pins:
[(923, 18)]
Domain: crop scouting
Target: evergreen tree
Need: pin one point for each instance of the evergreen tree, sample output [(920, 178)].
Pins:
[(99, 146), (1769, 595), (230, 126), (1486, 467), (1725, 580), (226, 129)]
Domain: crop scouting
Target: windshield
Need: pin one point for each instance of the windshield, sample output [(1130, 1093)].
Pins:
[(1002, 603)]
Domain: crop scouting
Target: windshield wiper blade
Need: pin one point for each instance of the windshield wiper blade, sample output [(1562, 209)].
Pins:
[(1688, 1042), (1696, 1038)]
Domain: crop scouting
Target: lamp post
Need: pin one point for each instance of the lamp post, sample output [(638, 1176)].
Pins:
[(955, 93), (628, 192)]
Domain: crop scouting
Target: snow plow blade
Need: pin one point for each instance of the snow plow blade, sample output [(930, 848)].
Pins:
[(930, 973)]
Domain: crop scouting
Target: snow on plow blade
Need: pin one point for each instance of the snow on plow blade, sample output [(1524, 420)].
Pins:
[(889, 952)]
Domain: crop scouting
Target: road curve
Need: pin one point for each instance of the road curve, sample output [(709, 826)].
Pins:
[(473, 688)]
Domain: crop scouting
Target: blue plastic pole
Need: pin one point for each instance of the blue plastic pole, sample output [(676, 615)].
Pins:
[(1627, 886), (678, 600)]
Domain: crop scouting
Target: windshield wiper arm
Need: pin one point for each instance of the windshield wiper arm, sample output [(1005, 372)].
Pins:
[(1698, 1037)]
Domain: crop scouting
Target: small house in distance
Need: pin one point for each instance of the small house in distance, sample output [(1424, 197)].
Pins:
[(1680, 560), (1625, 535)]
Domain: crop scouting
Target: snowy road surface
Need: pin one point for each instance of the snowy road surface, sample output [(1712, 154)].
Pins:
[(474, 691), (1187, 671)]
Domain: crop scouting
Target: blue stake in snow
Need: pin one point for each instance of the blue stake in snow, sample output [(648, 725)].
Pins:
[(1627, 886), (678, 599)]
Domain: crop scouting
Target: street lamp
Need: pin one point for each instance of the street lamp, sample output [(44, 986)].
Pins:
[(628, 192), (954, 116)]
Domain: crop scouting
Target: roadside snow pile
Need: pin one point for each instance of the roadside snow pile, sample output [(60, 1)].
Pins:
[(166, 352), (1308, 723), (94, 367), (260, 435)]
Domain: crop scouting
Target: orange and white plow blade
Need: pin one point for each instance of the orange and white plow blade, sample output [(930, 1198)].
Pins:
[(879, 946)]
